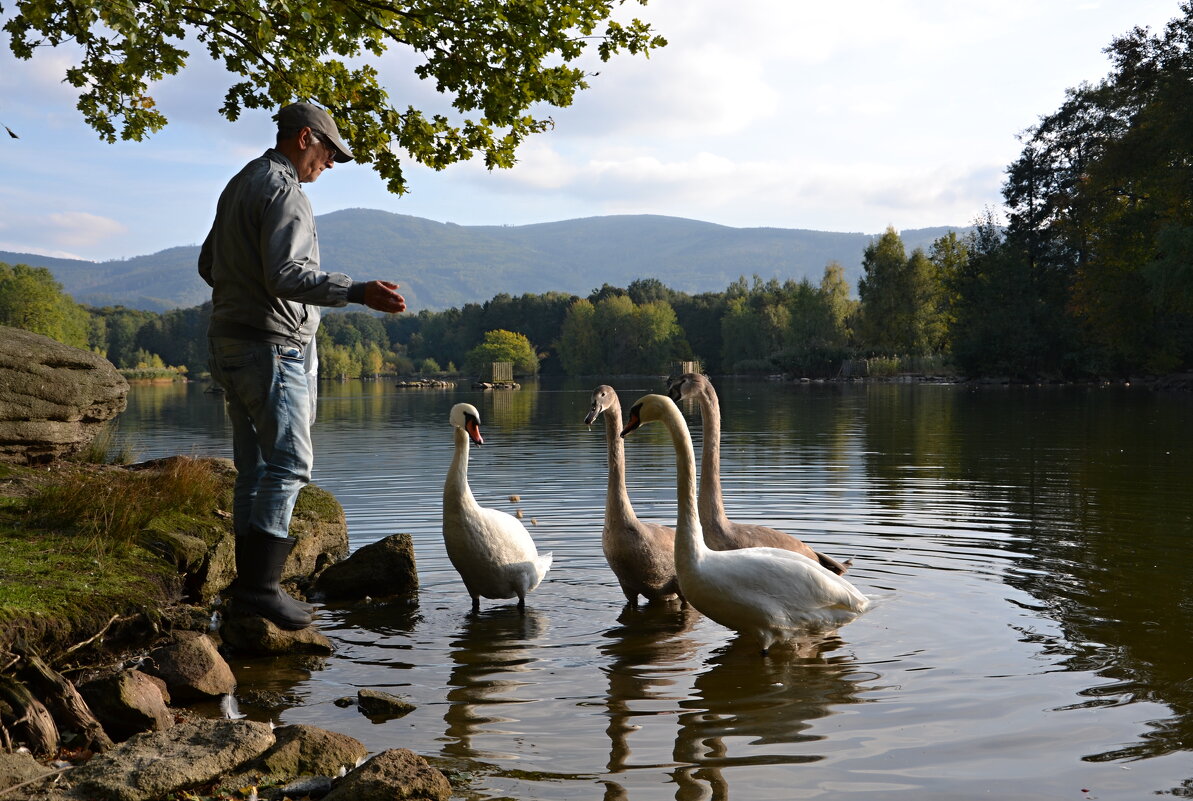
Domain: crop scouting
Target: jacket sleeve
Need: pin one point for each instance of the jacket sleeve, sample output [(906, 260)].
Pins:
[(290, 253), (206, 259)]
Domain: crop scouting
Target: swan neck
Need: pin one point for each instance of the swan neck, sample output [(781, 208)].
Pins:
[(712, 505), (456, 485), (689, 538), (617, 499)]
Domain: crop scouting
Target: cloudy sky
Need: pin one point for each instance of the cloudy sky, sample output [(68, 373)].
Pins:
[(838, 116)]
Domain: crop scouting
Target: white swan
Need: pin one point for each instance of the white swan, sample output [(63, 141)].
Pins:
[(720, 532), (767, 593), (491, 550), (641, 554)]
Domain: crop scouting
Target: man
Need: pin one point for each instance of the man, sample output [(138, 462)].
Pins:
[(261, 259)]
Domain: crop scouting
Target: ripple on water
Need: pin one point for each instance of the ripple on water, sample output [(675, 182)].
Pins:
[(1019, 545)]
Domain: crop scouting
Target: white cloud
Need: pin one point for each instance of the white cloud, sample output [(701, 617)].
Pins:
[(81, 229), (707, 90), (59, 232)]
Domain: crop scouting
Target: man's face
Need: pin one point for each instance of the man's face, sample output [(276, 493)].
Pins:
[(315, 156)]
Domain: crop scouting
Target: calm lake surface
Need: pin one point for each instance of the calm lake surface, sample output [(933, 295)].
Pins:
[(1028, 549)]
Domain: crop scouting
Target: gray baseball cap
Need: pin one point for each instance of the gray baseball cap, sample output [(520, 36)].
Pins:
[(308, 115)]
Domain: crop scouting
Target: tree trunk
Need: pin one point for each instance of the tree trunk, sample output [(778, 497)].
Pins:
[(26, 720), (69, 708)]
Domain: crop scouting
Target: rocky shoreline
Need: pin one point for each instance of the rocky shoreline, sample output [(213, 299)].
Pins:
[(202, 758), (126, 726)]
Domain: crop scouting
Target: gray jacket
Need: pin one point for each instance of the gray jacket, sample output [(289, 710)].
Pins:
[(261, 258)]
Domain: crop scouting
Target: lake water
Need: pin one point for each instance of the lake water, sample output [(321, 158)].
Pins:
[(1028, 549)]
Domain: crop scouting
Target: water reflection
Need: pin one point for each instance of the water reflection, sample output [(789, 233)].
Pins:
[(751, 711), (1093, 490), (646, 652), (510, 410), (493, 649)]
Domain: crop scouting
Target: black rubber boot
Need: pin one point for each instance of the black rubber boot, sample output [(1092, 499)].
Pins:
[(244, 558), (259, 562)]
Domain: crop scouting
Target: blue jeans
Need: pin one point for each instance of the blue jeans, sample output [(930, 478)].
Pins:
[(270, 403)]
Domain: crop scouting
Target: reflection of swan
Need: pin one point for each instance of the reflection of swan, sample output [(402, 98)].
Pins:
[(720, 532), (766, 593), (763, 711), (647, 652), (491, 657), (641, 554), (491, 550)]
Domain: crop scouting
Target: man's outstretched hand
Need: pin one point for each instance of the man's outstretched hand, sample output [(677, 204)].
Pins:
[(383, 296)]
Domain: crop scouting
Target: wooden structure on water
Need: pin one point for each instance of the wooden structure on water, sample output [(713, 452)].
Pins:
[(497, 375), (680, 368)]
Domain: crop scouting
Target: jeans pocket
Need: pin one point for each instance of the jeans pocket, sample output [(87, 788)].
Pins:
[(236, 355), (291, 354)]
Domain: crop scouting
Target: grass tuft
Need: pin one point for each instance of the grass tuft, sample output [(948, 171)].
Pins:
[(101, 449), (109, 510)]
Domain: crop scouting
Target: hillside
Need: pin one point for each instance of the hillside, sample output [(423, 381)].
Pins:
[(443, 264)]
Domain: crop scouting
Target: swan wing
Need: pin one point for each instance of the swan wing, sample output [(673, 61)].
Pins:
[(785, 579), (504, 536)]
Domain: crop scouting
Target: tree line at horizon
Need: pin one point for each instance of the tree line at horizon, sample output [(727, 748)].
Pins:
[(1092, 275)]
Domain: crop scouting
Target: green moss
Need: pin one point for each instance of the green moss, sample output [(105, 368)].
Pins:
[(317, 502), (54, 592), (79, 544)]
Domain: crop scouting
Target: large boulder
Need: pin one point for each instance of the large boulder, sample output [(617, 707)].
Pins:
[(154, 765), (395, 774), (248, 634), (205, 550), (127, 702), (53, 398), (381, 569), (192, 667), (303, 750)]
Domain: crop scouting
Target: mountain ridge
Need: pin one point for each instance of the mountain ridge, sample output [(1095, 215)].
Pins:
[(443, 264)]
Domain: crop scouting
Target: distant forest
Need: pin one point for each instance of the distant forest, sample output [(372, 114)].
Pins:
[(1091, 276)]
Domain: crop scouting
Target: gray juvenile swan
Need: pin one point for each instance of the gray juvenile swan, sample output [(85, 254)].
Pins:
[(770, 594), (720, 532), (490, 549), (642, 555)]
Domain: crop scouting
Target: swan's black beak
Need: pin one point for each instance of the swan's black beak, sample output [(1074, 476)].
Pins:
[(474, 430), (592, 415), (673, 390), (634, 422)]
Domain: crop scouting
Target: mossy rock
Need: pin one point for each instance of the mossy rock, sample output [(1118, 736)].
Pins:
[(62, 583), (55, 593)]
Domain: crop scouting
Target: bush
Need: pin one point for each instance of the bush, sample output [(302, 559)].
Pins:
[(754, 366), (812, 361)]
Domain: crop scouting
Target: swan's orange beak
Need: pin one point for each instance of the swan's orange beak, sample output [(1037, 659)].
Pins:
[(474, 431), (634, 422)]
